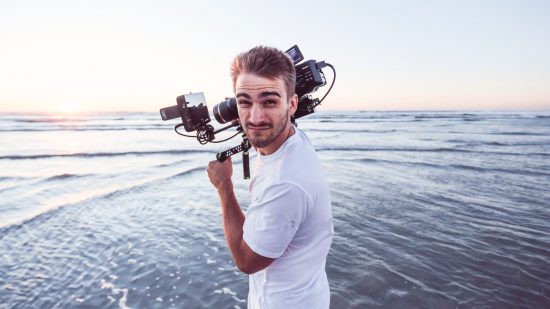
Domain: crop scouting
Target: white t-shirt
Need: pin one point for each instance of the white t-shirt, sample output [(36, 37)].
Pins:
[(290, 219)]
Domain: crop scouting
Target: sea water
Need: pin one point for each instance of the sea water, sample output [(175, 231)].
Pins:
[(431, 210)]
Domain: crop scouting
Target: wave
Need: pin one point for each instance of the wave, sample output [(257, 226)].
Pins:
[(91, 128), (424, 164), (351, 120), (7, 178), (476, 143), (170, 164), (499, 170), (454, 166), (49, 120), (446, 116), (185, 173), (519, 133), (348, 116), (48, 211), (437, 150), (143, 185), (351, 130), (195, 151), (495, 144), (66, 176), (337, 148), (336, 117), (60, 177), (415, 117), (38, 118), (103, 154)]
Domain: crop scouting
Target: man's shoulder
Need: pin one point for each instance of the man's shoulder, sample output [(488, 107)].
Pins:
[(301, 160)]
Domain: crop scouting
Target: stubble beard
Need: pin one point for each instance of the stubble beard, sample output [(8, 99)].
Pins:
[(259, 142)]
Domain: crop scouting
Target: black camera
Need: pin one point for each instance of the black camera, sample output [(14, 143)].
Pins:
[(226, 110), (192, 110)]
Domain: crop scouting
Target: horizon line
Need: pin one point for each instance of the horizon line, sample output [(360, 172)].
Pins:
[(84, 113)]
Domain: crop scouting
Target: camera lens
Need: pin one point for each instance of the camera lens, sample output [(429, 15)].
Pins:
[(226, 110)]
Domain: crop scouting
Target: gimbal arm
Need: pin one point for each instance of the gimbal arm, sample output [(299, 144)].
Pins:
[(244, 146)]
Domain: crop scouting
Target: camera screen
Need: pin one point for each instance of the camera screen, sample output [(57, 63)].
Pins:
[(295, 54), (195, 99)]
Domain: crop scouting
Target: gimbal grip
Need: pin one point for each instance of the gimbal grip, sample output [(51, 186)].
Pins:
[(221, 156)]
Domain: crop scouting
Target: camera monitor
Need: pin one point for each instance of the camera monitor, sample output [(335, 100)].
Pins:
[(295, 54), (192, 110)]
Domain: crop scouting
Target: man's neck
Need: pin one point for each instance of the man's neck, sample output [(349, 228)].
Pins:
[(271, 150)]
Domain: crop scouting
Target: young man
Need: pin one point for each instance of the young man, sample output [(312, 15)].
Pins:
[(283, 241)]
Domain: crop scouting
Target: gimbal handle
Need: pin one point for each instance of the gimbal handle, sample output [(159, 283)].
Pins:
[(244, 146)]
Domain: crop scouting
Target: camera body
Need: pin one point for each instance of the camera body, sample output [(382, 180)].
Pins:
[(308, 78), (191, 108)]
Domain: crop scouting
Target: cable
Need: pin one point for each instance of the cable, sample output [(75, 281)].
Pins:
[(176, 129), (226, 138), (333, 80), (197, 136)]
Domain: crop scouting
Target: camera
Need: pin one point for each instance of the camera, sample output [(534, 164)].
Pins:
[(226, 110), (192, 110)]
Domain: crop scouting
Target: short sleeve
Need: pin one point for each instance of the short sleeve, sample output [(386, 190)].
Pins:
[(272, 221)]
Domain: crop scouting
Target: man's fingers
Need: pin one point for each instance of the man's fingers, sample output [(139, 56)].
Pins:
[(218, 172), (213, 163)]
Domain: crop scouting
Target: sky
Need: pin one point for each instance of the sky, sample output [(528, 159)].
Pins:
[(110, 56)]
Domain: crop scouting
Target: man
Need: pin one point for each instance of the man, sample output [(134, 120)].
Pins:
[(283, 241)]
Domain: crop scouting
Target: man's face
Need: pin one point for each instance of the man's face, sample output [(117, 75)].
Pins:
[(264, 110)]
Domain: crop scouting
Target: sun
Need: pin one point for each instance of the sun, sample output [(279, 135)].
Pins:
[(67, 108)]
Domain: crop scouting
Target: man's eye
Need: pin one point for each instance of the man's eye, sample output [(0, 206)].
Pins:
[(270, 103), (244, 103)]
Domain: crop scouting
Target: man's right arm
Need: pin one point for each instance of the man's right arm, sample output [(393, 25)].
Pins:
[(233, 219)]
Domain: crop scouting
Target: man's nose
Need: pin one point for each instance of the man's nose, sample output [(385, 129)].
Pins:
[(257, 113)]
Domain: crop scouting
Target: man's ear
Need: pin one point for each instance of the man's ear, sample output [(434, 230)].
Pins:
[(293, 105)]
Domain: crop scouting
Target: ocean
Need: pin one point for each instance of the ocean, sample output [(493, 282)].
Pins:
[(431, 210)]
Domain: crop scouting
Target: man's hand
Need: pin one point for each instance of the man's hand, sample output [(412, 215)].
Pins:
[(220, 173)]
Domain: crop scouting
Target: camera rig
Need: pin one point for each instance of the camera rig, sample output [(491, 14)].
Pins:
[(192, 109)]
